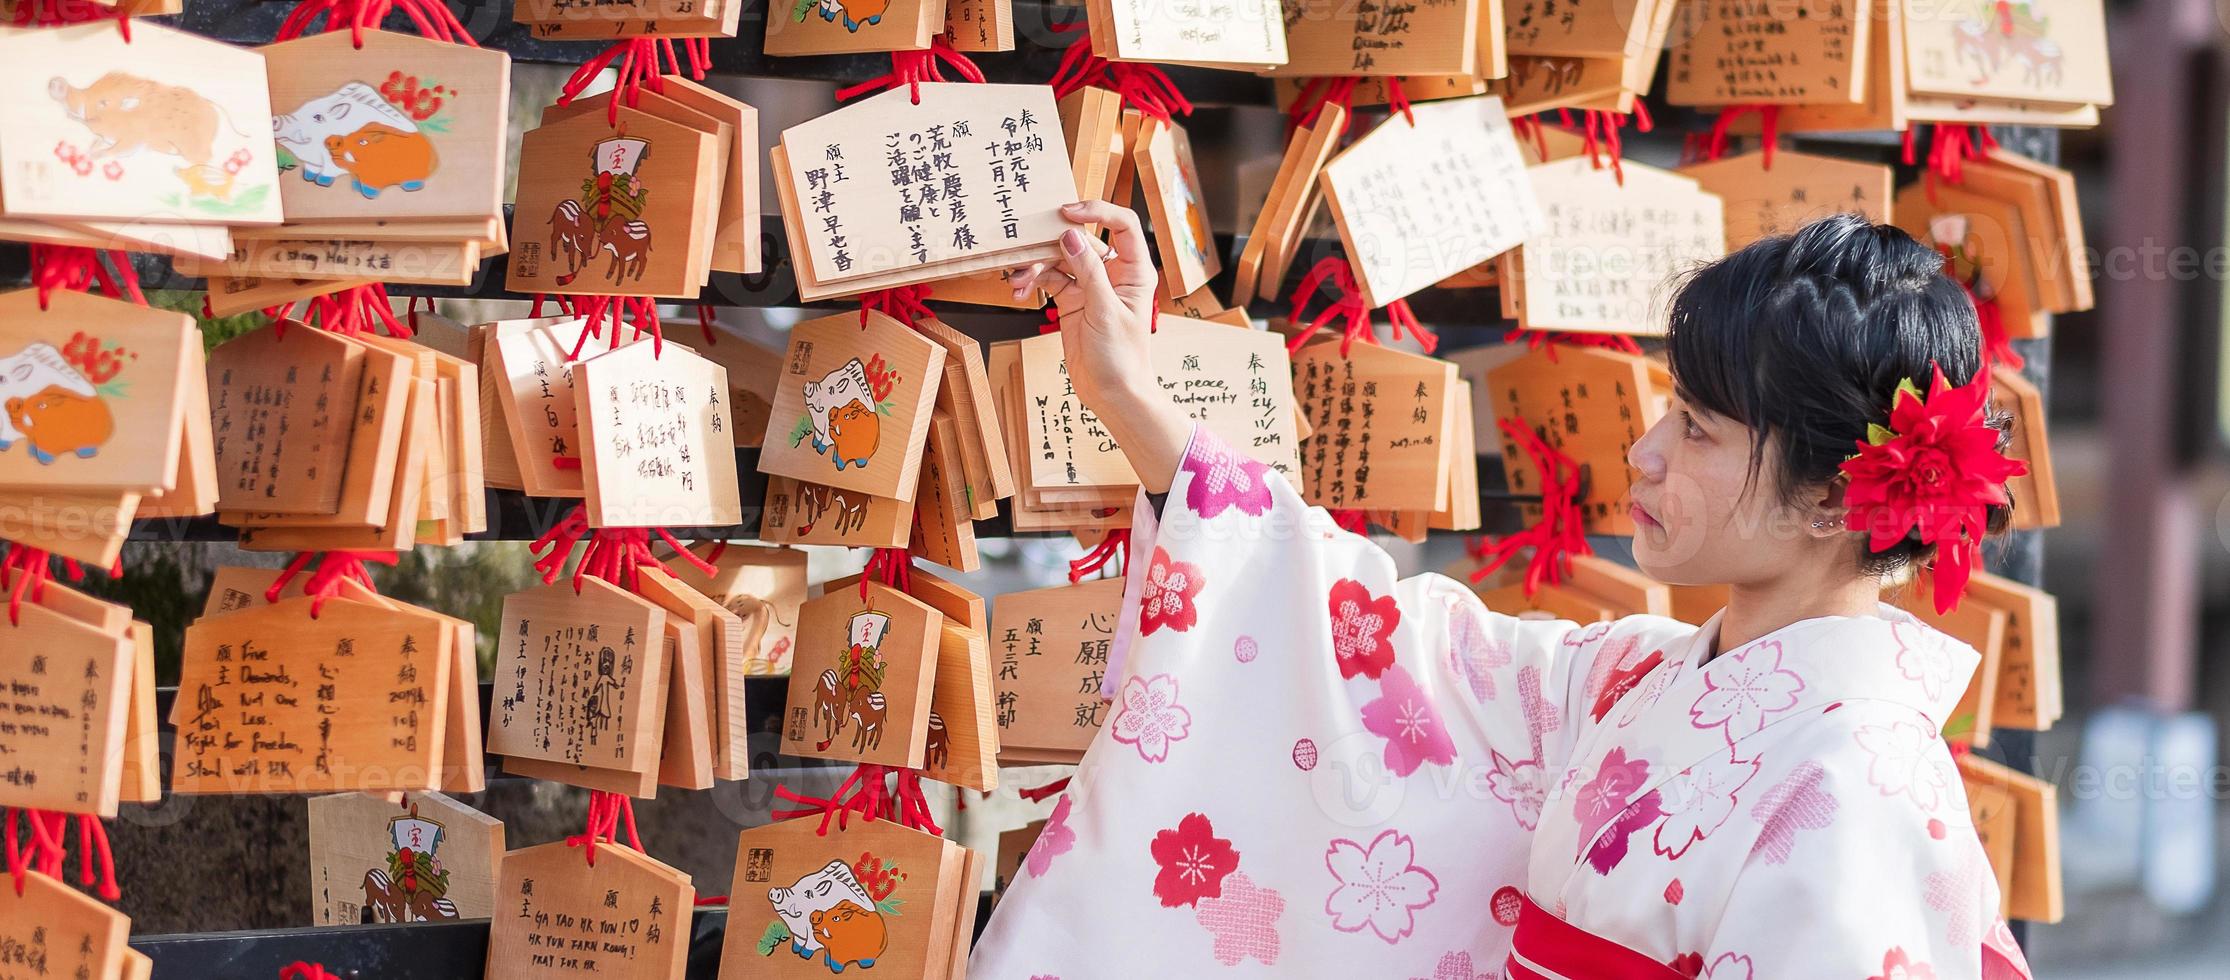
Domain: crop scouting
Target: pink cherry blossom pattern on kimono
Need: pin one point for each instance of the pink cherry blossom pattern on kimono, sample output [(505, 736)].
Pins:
[(1473, 654), (1055, 840), (1610, 848), (1798, 802), (1166, 598), (1404, 716), (1147, 715), (1193, 862), (1907, 760), (1955, 892), (1380, 886), (1898, 965), (1922, 657), (1698, 801), (1244, 920), (1245, 649), (1222, 479), (1456, 965), (1742, 688), (1506, 904), (1522, 784), (1730, 966), (1304, 754), (1616, 780), (1623, 680), (1362, 629)]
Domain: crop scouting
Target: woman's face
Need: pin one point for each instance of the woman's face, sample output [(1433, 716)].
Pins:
[(1696, 521)]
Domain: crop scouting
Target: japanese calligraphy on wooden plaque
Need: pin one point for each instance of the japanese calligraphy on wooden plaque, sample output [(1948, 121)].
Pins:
[(62, 712), (1738, 53), (558, 917), (273, 700), (1607, 248), (579, 677), (1371, 37), (1800, 188), (533, 384), (53, 930), (282, 408), (852, 407), (1416, 204), (425, 858), (1380, 423), (657, 447), (1212, 33), (861, 679), (1592, 405), (1049, 651)]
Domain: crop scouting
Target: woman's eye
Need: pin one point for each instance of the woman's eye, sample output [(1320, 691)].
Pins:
[(1689, 428)]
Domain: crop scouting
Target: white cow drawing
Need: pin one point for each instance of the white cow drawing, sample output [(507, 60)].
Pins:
[(348, 109), (37, 367), (816, 892), (840, 388)]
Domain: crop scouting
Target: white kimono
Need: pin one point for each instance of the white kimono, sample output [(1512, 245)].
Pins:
[(1312, 770)]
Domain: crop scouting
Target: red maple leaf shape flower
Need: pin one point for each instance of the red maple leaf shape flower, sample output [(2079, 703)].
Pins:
[(1193, 862), (1935, 469), (1362, 629)]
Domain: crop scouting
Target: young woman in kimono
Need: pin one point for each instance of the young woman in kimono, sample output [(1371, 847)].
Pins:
[(1311, 769)]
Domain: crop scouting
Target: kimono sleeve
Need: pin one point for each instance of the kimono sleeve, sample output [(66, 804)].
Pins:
[(1881, 857)]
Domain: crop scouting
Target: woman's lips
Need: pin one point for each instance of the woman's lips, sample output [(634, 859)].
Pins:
[(1642, 517)]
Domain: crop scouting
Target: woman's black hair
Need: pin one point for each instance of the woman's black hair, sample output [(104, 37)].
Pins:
[(1804, 338)]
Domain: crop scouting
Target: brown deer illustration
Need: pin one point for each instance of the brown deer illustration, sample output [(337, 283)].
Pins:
[(867, 711), (572, 237), (628, 239), (828, 709)]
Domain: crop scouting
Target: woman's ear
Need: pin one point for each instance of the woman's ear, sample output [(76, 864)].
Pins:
[(1828, 510)]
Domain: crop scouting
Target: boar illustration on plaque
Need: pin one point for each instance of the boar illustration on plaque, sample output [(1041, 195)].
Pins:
[(835, 915), (57, 400), (414, 886), (607, 217), (127, 114), (844, 410), (1998, 33), (851, 693), (856, 13), (375, 137)]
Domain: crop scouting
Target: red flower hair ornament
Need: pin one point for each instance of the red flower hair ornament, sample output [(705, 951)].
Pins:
[(1935, 470)]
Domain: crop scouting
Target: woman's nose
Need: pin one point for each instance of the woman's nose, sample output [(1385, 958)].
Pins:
[(1646, 456)]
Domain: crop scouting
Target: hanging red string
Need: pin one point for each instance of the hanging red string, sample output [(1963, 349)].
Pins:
[(1330, 90), (1559, 534), (911, 68), (614, 554), (352, 312), (334, 570), (26, 570), (705, 321), (1113, 547), (1037, 794), (1549, 340), (1350, 308), (1949, 148), (906, 304), (889, 566), (866, 794), (1599, 129), (1997, 345), (638, 59), (1143, 87), (54, 13), (303, 970), (637, 312), (432, 19), (607, 812), (45, 852), (1713, 145), (78, 270)]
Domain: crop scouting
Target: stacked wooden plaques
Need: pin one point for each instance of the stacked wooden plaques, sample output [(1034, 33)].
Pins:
[(390, 160), (1449, 39), (2036, 497), (805, 903), (657, 18), (1592, 54), (43, 920), (725, 651), (1607, 246), (1761, 200), (1243, 36), (1178, 204), (862, 679), (764, 588), (890, 192), (733, 200), (367, 694), (1049, 650), (1589, 403), (151, 144), (104, 415), (421, 858), (335, 442), (960, 742), (1727, 54), (79, 707), (2009, 230), (622, 914), (2017, 815), (1295, 196)]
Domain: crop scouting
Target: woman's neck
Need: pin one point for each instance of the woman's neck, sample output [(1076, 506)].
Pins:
[(1756, 610)]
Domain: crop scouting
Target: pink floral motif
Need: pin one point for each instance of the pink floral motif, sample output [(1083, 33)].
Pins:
[(1456, 965), (1622, 681), (1222, 479), (1648, 692), (1055, 840), (1521, 784), (1245, 649), (1474, 655), (1956, 893), (1674, 892), (1687, 964), (1167, 597), (1362, 629), (1149, 716), (1614, 655), (1404, 716), (1799, 802), (1909, 760), (1610, 848), (1379, 886), (1698, 801), (1922, 657), (1244, 920), (1616, 780), (1193, 862), (1742, 688), (1898, 965), (1730, 966)]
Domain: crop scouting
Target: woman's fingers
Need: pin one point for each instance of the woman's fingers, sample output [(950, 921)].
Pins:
[(1121, 222)]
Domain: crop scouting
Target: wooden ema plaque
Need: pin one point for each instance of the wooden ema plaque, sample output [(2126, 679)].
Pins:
[(752, 372), (1985, 243), (386, 125), (64, 712), (2011, 53), (1237, 34), (426, 858), (2029, 692), (868, 895), (1979, 625), (852, 407), (627, 917), (529, 362), (1608, 248), (657, 447), (1592, 405), (54, 930), (798, 512), (1369, 38), (966, 396), (282, 409), (190, 149), (834, 28), (726, 647), (1278, 226), (1416, 204), (95, 390), (614, 209), (980, 25), (580, 677), (763, 586), (944, 531), (1733, 53), (1799, 188), (1380, 423), (627, 18), (274, 701), (1049, 652), (1178, 205), (860, 684), (2035, 892), (962, 747), (1594, 29), (2036, 495)]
